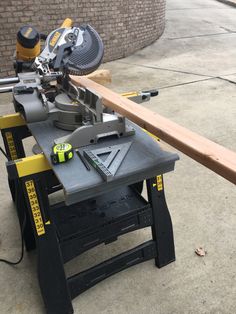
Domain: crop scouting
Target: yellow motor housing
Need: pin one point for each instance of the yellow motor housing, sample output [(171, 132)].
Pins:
[(27, 44), (67, 23)]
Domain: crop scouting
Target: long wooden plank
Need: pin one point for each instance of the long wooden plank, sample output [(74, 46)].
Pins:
[(214, 156)]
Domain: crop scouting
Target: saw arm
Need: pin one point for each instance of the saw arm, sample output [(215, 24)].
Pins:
[(71, 50)]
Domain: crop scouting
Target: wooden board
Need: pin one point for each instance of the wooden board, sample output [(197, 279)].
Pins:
[(214, 156)]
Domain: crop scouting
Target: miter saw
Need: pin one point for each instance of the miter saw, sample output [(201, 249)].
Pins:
[(72, 50), (48, 93), (44, 90)]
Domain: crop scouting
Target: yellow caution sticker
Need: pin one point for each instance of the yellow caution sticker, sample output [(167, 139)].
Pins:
[(159, 183), (55, 38), (34, 204), (130, 94), (28, 32), (11, 145), (152, 135)]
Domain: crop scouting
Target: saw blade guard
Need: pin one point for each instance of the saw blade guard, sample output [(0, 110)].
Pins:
[(71, 50), (86, 57)]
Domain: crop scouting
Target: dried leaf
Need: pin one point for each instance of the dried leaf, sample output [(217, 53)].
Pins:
[(200, 251)]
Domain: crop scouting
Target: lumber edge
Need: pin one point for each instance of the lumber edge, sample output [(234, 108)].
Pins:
[(214, 156)]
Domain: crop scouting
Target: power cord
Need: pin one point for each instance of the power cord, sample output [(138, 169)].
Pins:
[(22, 248), (22, 227), (4, 153)]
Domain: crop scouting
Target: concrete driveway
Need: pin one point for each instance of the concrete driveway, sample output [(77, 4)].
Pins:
[(194, 67)]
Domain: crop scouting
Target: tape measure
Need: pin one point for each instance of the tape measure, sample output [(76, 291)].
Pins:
[(61, 153)]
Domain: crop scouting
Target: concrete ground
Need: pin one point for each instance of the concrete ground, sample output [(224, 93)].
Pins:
[(194, 67)]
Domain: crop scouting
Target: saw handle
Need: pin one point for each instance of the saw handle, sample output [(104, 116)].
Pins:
[(67, 23)]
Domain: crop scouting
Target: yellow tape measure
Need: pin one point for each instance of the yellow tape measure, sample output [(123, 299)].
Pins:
[(61, 153)]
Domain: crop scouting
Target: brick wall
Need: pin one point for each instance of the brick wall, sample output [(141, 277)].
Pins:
[(124, 25)]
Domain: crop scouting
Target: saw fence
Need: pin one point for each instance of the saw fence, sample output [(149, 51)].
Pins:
[(215, 157)]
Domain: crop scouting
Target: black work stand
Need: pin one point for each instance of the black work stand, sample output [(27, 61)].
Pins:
[(94, 211)]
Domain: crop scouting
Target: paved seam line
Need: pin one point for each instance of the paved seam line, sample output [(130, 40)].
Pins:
[(228, 2), (227, 74), (186, 83), (206, 35), (164, 69), (209, 77), (227, 80), (192, 82), (179, 9)]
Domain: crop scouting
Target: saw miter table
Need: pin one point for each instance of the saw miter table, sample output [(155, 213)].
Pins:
[(98, 158)]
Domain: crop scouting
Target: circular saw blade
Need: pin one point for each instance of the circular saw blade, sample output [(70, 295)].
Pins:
[(86, 57)]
